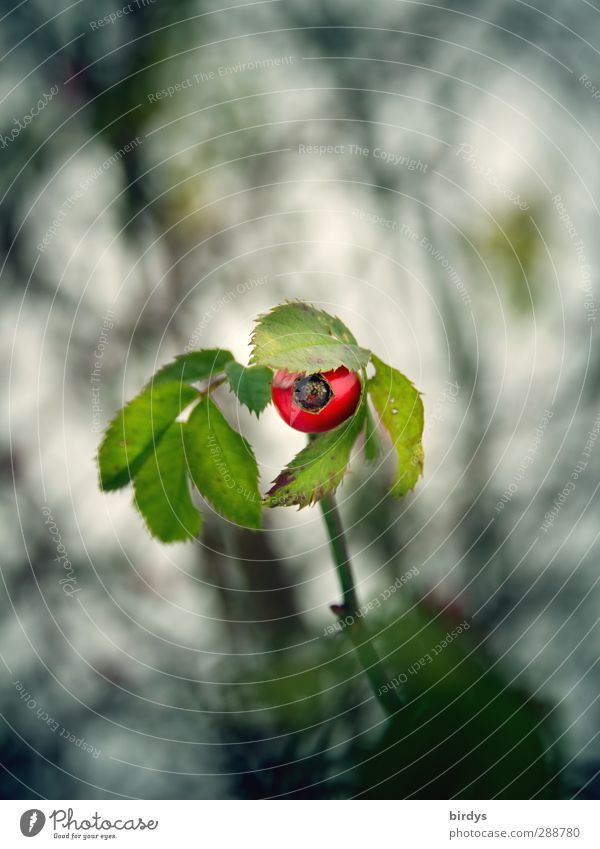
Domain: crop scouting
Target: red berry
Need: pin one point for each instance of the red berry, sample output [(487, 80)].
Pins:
[(317, 402)]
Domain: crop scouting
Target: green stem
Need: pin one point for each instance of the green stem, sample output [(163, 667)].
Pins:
[(356, 629), (211, 386)]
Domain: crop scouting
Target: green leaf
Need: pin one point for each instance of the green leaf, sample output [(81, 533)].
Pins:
[(251, 385), (162, 493), (299, 337), (136, 429), (318, 469), (372, 438), (399, 406), (197, 365), (222, 465)]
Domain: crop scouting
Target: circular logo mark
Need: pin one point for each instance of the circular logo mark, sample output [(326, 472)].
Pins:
[(32, 822)]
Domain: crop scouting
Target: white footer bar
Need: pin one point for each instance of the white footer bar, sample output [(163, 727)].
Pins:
[(301, 824)]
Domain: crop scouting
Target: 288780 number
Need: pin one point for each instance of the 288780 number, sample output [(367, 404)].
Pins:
[(542, 831)]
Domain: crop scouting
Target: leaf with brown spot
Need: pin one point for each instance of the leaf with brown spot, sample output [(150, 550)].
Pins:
[(318, 469)]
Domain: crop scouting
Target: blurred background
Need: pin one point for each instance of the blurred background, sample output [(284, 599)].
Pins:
[(429, 173)]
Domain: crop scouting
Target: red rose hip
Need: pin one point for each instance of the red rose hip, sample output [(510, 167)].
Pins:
[(314, 403)]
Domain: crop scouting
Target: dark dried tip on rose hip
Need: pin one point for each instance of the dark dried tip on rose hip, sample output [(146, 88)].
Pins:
[(315, 403), (311, 393)]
